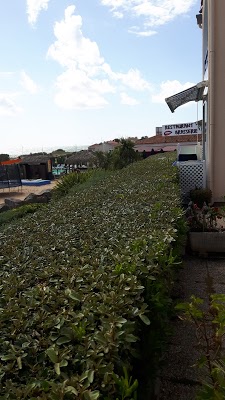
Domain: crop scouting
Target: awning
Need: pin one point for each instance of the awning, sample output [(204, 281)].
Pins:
[(9, 162), (195, 93)]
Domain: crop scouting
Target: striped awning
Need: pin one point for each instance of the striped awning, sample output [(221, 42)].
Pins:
[(194, 93)]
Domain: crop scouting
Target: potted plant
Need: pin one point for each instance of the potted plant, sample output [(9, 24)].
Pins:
[(206, 228), (200, 196)]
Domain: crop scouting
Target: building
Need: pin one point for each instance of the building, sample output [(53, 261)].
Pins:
[(105, 147), (165, 143), (179, 136), (211, 91), (36, 167), (213, 67)]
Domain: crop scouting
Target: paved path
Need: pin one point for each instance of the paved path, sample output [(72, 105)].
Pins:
[(179, 380)]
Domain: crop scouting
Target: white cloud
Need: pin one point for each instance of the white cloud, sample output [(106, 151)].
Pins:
[(34, 7), (154, 12), (132, 79), (169, 88), (28, 83), (118, 14), (146, 33), (8, 106), (87, 78), (75, 90), (71, 47), (125, 99)]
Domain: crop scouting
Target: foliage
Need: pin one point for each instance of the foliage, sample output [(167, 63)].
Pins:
[(81, 279), (120, 157), (210, 330), (59, 159), (124, 154), (104, 160), (205, 219), (4, 157), (66, 182), (127, 388), (200, 196), (20, 212)]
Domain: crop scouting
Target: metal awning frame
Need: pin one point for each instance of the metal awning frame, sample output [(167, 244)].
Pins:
[(194, 93)]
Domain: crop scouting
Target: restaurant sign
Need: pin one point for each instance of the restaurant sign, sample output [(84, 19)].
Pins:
[(191, 128)]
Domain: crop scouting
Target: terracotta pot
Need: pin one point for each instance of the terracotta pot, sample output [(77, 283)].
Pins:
[(207, 242)]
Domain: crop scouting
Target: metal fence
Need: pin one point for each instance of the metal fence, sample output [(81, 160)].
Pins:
[(10, 176)]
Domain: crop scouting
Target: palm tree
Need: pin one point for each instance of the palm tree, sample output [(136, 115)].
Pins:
[(124, 154)]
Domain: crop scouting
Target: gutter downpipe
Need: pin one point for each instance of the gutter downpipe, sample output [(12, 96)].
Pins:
[(211, 22)]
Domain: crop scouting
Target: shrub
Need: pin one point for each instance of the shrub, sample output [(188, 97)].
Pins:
[(200, 196), (209, 320), (20, 212), (205, 219), (78, 287), (65, 183)]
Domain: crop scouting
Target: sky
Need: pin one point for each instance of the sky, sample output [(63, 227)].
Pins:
[(79, 72)]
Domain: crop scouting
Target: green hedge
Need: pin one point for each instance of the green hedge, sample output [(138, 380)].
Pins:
[(80, 280), (19, 212)]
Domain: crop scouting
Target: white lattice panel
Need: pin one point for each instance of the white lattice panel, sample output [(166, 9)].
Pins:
[(192, 175)]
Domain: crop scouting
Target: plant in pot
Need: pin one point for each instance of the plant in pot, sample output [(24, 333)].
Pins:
[(206, 228), (200, 196)]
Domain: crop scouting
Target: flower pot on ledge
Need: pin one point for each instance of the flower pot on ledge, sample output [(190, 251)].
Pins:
[(207, 242)]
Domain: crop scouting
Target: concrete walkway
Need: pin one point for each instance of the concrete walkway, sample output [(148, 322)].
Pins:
[(178, 379)]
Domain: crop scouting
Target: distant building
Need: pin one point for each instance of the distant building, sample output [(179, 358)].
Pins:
[(36, 167), (165, 143), (158, 130), (105, 147)]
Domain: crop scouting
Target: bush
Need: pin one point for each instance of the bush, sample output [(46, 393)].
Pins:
[(200, 196), (78, 287), (19, 212), (65, 183)]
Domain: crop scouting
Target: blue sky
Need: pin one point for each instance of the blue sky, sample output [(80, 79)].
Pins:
[(74, 73)]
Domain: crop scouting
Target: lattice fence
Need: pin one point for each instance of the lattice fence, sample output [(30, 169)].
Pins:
[(192, 175)]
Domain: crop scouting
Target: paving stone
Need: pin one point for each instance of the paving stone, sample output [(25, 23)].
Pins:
[(179, 379), (175, 391)]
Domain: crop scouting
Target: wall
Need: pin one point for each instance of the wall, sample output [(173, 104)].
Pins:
[(216, 99)]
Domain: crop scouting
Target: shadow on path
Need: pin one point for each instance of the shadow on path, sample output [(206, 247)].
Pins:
[(178, 378)]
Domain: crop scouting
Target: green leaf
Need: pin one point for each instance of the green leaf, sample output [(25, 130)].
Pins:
[(84, 376), (73, 295), (63, 363), (91, 376), (71, 389), (62, 340), (52, 355), (19, 362), (8, 357), (94, 395), (145, 319), (121, 320), (57, 368), (131, 338)]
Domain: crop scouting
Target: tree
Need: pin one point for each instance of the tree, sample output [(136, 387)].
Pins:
[(124, 154), (120, 157), (104, 159), (4, 157)]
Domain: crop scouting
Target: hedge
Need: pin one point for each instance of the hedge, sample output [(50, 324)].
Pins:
[(81, 279)]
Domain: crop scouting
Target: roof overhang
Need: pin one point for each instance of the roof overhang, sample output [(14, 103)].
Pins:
[(194, 93)]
